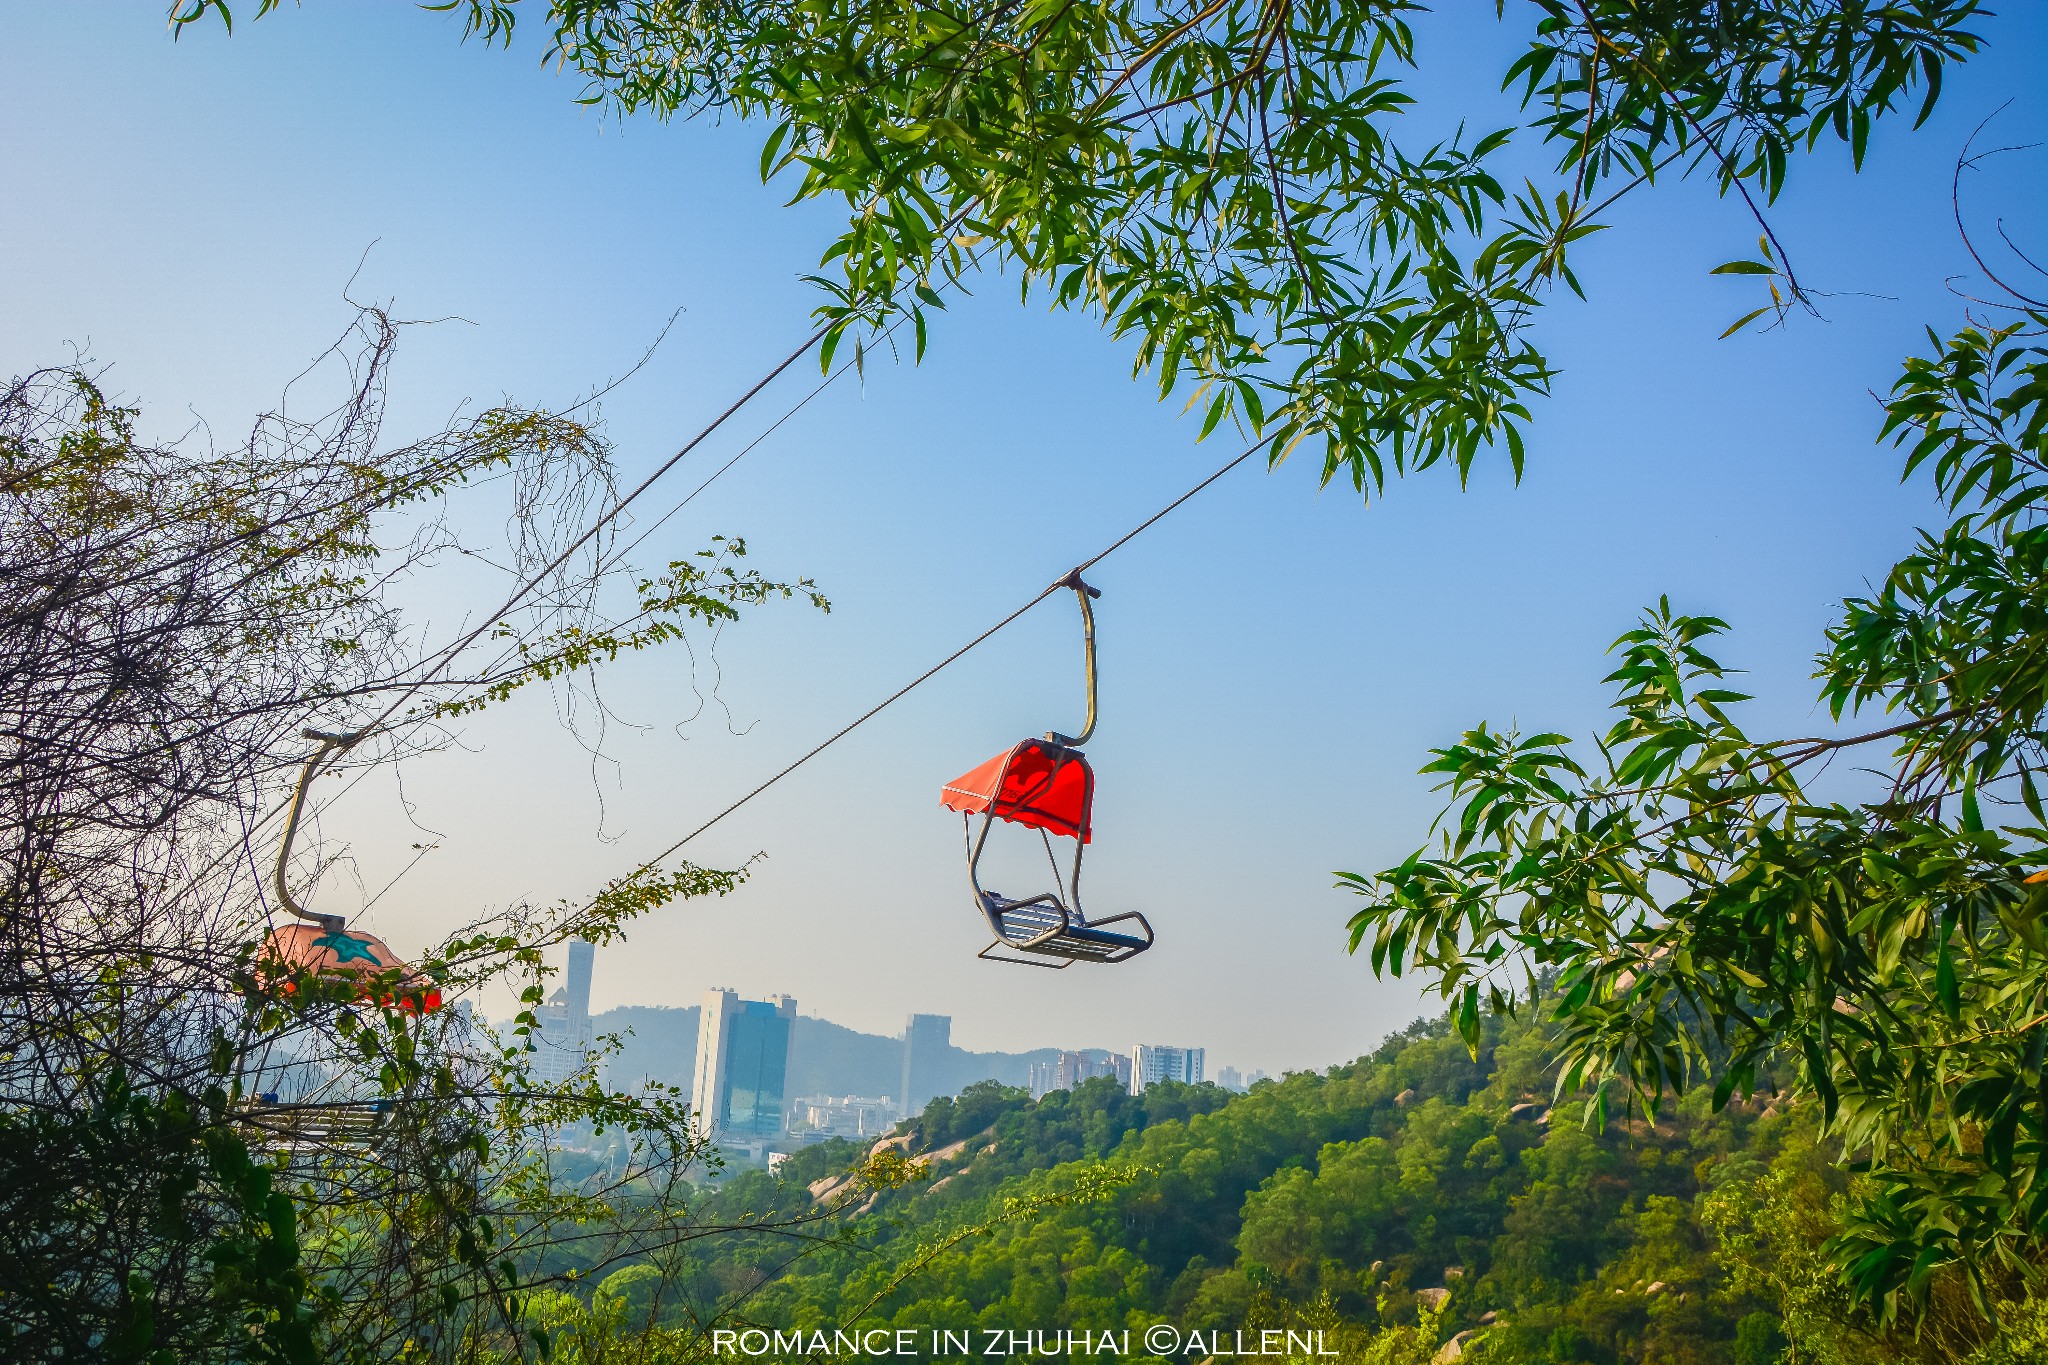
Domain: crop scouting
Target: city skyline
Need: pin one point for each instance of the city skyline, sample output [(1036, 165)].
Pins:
[(565, 1037)]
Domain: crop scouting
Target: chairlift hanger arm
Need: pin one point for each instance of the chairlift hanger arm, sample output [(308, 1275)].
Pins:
[(329, 744), (1083, 594)]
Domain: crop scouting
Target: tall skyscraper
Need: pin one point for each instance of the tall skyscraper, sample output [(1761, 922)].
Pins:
[(1155, 1062), (743, 1049), (576, 983), (562, 1047), (926, 1040)]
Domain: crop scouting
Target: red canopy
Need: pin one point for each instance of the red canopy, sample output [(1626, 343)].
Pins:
[(1038, 783), (311, 948)]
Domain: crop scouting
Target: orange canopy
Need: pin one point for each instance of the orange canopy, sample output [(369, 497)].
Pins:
[(1037, 783), (311, 948)]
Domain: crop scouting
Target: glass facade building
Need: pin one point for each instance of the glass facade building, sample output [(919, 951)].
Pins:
[(756, 1068), (927, 1042), (742, 1081)]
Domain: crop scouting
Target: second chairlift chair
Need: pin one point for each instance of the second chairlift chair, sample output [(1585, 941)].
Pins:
[(1045, 784), (323, 945)]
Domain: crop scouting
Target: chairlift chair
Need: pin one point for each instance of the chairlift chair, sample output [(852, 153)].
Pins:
[(303, 1128), (324, 945), (1047, 785)]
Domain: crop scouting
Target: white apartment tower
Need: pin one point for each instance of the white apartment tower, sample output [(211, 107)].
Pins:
[(1154, 1062)]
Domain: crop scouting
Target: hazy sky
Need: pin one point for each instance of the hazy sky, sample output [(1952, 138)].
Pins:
[(1277, 659)]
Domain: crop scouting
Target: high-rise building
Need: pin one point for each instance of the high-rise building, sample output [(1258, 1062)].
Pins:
[(927, 1038), (743, 1049), (1155, 1062), (1230, 1079), (1070, 1069), (1076, 1067), (576, 981), (562, 1043)]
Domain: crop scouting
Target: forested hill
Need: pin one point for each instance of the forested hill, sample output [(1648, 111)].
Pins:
[(1415, 1197), (660, 1043), (1348, 1195)]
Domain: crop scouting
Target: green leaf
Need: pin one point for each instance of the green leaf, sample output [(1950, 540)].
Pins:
[(1742, 322)]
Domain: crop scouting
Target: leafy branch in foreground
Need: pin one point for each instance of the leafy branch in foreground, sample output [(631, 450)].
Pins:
[(1704, 911), (1225, 183)]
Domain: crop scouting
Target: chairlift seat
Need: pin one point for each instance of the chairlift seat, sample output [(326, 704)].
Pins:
[(1047, 786), (1043, 926), (304, 1131)]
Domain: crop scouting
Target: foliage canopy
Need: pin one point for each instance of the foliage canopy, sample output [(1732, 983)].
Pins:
[(1417, 1195), (1706, 910), (1226, 182)]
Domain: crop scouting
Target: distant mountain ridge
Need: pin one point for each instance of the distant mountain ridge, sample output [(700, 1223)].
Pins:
[(659, 1042)]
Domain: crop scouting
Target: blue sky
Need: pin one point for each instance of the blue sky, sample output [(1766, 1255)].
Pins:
[(1277, 658)]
